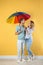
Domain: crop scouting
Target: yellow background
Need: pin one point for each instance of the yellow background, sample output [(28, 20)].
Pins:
[(8, 39)]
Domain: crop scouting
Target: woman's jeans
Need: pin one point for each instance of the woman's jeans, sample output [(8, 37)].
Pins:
[(28, 43)]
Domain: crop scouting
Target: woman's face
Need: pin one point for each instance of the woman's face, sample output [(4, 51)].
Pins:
[(31, 25)]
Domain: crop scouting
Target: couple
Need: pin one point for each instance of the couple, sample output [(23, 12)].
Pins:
[(24, 37)]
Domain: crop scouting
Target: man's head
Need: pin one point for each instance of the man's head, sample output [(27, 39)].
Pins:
[(22, 21)]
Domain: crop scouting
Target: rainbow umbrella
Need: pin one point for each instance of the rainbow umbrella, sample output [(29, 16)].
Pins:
[(15, 17)]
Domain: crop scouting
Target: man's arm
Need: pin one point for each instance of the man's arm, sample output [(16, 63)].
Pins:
[(17, 33)]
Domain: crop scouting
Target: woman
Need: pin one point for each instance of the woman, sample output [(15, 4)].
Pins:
[(29, 39)]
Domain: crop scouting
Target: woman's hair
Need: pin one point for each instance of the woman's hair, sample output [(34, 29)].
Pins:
[(32, 21), (21, 20)]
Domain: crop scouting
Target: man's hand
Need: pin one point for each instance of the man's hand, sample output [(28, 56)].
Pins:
[(18, 32)]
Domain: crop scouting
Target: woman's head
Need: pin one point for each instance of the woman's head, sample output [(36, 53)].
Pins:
[(31, 24), (22, 21)]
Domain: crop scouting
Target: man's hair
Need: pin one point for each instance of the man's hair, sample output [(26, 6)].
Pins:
[(32, 22), (21, 20)]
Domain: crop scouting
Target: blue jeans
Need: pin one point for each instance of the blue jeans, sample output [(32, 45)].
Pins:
[(28, 43)]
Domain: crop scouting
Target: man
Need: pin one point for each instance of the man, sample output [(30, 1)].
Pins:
[(20, 31)]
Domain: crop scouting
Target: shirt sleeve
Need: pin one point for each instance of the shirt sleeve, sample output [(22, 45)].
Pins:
[(17, 29)]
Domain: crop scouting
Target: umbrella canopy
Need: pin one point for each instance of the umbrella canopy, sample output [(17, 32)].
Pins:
[(14, 18)]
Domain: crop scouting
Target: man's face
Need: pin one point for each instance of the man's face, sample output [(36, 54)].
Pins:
[(22, 22)]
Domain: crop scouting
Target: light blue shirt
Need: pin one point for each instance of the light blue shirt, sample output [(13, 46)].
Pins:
[(21, 36)]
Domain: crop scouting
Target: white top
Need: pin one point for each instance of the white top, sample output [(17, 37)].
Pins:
[(28, 33)]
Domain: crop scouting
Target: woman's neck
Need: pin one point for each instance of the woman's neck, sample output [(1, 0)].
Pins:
[(30, 27)]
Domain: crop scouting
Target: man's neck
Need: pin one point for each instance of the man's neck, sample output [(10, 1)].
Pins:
[(21, 25)]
